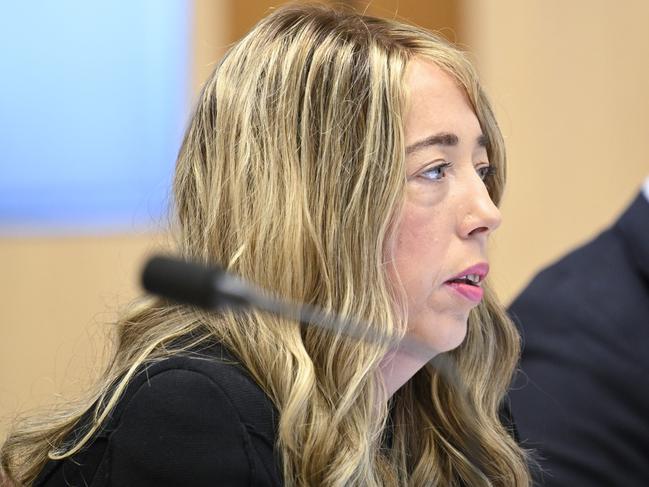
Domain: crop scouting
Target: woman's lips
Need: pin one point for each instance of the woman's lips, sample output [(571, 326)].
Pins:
[(472, 293)]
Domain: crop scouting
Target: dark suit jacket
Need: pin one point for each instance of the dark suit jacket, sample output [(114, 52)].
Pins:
[(194, 419), (582, 397)]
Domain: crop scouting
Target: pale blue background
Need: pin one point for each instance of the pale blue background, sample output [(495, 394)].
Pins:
[(93, 103)]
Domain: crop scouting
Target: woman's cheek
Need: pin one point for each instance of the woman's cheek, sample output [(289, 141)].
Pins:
[(418, 259)]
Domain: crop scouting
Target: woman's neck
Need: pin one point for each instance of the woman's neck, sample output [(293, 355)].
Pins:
[(398, 367)]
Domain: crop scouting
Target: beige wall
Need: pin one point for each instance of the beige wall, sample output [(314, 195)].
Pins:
[(569, 81), (59, 298)]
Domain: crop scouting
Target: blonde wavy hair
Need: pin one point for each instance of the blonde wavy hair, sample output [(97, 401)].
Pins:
[(291, 174)]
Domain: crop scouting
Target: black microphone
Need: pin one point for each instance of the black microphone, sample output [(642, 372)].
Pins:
[(213, 288), (191, 283)]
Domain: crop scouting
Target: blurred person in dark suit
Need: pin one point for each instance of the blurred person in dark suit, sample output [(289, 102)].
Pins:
[(581, 398)]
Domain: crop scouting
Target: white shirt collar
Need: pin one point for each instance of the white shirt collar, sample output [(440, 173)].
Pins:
[(645, 189)]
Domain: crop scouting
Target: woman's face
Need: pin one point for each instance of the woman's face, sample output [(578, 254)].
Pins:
[(448, 214)]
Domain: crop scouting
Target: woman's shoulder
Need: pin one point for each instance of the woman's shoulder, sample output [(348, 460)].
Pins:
[(191, 417), (207, 370)]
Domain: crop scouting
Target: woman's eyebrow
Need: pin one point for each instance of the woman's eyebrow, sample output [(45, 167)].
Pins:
[(443, 139), (482, 140)]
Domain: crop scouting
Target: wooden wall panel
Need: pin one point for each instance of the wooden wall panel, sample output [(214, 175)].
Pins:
[(441, 16), (60, 296), (569, 84)]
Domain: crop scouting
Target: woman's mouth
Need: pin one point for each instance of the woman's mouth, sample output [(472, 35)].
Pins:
[(467, 282)]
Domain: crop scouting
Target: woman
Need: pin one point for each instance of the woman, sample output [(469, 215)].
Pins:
[(339, 160)]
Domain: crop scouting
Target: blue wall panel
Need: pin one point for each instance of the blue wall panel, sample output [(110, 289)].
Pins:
[(93, 103)]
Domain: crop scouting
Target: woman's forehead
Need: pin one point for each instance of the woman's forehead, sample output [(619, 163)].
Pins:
[(437, 104)]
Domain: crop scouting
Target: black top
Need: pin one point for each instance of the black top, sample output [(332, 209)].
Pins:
[(193, 419), (582, 398)]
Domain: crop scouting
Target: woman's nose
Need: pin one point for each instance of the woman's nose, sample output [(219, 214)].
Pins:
[(479, 215)]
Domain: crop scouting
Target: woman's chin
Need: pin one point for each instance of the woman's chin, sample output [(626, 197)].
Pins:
[(446, 336)]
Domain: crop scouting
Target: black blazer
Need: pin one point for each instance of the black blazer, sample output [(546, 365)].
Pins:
[(186, 420), (582, 398)]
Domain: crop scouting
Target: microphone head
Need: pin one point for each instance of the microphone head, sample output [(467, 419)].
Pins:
[(184, 282)]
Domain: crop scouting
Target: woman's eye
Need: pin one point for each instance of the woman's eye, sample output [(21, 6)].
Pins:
[(485, 172), (436, 173)]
